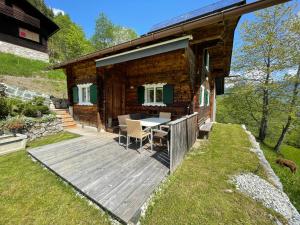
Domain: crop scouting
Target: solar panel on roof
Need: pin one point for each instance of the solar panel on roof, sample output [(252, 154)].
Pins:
[(204, 11)]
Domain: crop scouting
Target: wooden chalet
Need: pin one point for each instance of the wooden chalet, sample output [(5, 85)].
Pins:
[(178, 67), (24, 30)]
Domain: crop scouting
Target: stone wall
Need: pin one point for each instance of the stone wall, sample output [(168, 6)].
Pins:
[(23, 52), (35, 129)]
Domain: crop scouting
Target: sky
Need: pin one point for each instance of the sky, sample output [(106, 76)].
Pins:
[(139, 15)]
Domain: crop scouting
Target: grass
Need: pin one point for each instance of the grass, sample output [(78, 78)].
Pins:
[(291, 182), (51, 139), (23, 67), (31, 195), (195, 193)]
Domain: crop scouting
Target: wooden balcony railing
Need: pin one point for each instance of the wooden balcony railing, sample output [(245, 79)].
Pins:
[(19, 15)]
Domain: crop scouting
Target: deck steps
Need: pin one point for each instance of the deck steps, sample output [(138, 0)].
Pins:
[(68, 121)]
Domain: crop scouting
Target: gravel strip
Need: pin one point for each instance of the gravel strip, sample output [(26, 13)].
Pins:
[(270, 196), (263, 161)]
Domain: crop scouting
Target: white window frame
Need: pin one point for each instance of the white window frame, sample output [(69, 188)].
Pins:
[(88, 94), (208, 97), (202, 95), (154, 86)]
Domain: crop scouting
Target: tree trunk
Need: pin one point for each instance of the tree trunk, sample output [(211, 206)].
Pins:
[(291, 108), (265, 107)]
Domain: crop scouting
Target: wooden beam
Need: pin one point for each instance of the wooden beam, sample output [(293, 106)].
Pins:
[(212, 38)]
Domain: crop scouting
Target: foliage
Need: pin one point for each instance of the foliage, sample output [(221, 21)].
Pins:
[(4, 108), (69, 42), (195, 193), (108, 34), (18, 66), (31, 195), (14, 124), (263, 54), (40, 5), (16, 106), (290, 181)]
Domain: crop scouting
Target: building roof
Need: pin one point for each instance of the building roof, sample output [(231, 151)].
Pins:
[(177, 29), (196, 14)]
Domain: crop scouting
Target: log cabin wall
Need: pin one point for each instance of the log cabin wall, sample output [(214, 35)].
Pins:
[(170, 68), (82, 73)]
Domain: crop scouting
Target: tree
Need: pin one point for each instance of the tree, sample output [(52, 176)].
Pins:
[(40, 5), (69, 42), (262, 55), (108, 34), (293, 46)]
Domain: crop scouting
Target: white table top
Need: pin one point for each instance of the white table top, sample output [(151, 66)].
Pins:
[(153, 121)]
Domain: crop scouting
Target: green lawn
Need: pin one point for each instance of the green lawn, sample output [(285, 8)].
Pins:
[(195, 194), (19, 66), (32, 195), (291, 182)]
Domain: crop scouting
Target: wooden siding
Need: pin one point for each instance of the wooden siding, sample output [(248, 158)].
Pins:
[(170, 68)]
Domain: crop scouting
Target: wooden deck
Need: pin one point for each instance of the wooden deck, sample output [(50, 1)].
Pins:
[(117, 180)]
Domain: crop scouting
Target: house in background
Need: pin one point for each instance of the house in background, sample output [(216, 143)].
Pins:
[(178, 67), (24, 30)]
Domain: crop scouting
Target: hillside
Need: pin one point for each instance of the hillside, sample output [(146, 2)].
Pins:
[(32, 75)]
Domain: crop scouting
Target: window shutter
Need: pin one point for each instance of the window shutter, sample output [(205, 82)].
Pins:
[(200, 95), (75, 94), (205, 97), (168, 94), (93, 94), (141, 94)]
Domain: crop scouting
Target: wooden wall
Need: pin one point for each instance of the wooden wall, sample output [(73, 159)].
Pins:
[(81, 73), (170, 68)]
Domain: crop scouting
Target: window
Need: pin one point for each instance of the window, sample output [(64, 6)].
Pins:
[(201, 96), (84, 94), (208, 97), (154, 95)]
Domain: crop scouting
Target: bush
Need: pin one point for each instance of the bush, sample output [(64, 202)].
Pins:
[(14, 124), (4, 109), (16, 106), (35, 110)]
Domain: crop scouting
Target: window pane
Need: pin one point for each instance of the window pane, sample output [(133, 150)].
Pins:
[(150, 95), (159, 94), (84, 95)]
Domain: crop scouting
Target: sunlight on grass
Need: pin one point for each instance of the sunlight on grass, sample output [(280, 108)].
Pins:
[(291, 182), (195, 193), (31, 195)]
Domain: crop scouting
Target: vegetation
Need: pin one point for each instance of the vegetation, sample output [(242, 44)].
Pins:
[(108, 34), (23, 67), (263, 54), (196, 192), (51, 139), (290, 181), (30, 195)]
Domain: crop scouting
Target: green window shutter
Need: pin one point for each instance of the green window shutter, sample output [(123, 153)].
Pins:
[(75, 94), (205, 97), (93, 94), (200, 96), (168, 94), (141, 94)]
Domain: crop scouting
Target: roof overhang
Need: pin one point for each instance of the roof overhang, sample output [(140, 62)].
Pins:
[(155, 49), (179, 29)]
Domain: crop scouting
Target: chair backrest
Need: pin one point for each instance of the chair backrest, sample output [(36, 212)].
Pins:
[(165, 115), (122, 119), (134, 128)]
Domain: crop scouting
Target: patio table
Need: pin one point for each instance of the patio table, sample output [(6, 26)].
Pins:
[(154, 121)]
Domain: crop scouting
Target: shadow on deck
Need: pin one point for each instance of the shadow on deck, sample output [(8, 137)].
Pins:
[(118, 180)]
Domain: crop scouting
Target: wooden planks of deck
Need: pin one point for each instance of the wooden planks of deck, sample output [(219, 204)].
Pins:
[(118, 180)]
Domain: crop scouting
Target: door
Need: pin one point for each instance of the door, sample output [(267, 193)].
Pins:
[(115, 99)]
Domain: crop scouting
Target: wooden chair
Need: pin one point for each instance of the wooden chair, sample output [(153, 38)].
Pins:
[(135, 130), (165, 115), (162, 135), (122, 126)]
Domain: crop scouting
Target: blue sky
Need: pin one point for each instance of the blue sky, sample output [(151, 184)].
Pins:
[(137, 14)]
